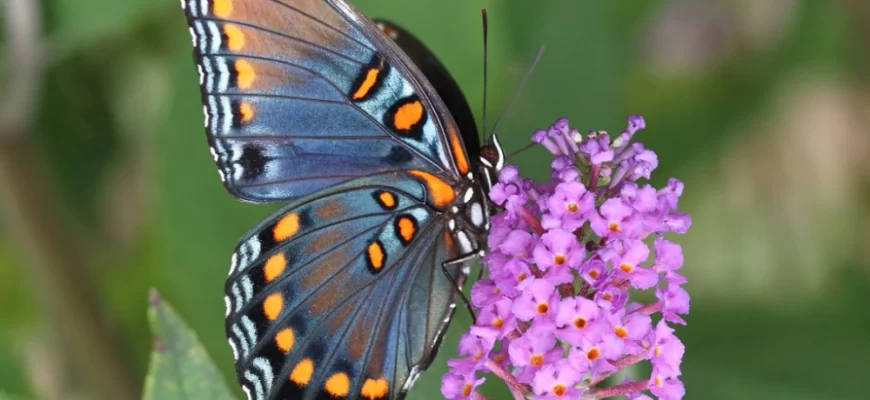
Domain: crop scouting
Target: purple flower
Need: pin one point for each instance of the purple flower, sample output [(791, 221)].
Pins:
[(593, 271), (517, 244), (591, 355), (675, 301), (666, 388), (485, 292), (498, 315), (667, 351), (533, 350), (616, 219), (558, 249), (458, 386), (557, 381), (631, 328), (557, 309), (577, 320), (625, 258), (539, 300), (568, 207), (669, 255)]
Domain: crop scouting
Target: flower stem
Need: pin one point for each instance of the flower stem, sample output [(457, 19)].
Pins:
[(509, 379), (616, 390), (650, 308), (619, 364), (593, 177), (532, 221), (477, 396)]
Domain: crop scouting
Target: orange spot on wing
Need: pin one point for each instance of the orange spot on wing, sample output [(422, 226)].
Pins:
[(459, 155), (387, 199), (273, 305), (376, 255), (235, 37), (245, 74), (274, 266), (367, 83), (222, 8), (374, 389), (285, 339), (247, 111), (338, 384), (408, 115), (286, 227), (440, 192), (406, 228), (301, 373)]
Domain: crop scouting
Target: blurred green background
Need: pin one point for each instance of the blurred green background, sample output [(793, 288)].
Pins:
[(107, 187)]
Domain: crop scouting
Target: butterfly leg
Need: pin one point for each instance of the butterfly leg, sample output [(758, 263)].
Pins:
[(460, 261)]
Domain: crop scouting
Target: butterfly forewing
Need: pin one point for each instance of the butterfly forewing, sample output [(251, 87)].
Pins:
[(288, 85)]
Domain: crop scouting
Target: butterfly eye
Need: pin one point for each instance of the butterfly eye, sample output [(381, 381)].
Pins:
[(490, 154)]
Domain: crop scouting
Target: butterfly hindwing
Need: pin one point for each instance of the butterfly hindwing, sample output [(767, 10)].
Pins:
[(301, 95), (341, 294)]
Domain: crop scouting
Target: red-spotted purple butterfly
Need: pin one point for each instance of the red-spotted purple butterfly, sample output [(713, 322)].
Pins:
[(346, 291)]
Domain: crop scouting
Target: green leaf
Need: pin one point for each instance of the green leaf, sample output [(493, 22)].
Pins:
[(180, 368)]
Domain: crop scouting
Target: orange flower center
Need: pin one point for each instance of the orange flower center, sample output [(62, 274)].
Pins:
[(613, 226), (478, 355), (594, 273), (559, 259), (657, 350), (620, 331), (536, 360), (627, 268), (572, 207), (498, 322), (559, 390), (466, 390), (542, 308), (593, 354), (522, 276), (607, 296), (499, 358), (579, 322)]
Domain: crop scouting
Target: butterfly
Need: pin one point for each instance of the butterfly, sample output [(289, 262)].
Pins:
[(346, 291)]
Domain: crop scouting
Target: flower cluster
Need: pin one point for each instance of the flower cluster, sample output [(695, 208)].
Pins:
[(554, 314)]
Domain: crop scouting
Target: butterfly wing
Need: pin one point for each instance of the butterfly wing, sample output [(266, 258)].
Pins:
[(341, 294), (302, 95)]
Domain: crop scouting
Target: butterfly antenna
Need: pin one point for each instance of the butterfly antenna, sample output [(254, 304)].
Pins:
[(485, 35), (519, 89), (520, 150)]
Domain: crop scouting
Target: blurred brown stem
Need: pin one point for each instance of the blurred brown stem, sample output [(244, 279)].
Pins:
[(36, 221)]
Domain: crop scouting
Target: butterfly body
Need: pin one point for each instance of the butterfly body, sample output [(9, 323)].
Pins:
[(346, 291)]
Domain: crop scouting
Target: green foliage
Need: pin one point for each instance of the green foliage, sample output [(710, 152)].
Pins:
[(180, 367)]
